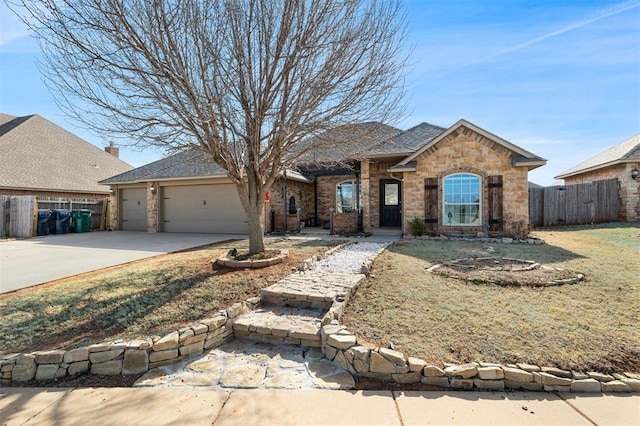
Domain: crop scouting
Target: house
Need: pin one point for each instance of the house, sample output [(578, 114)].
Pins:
[(622, 162), (42, 159), (459, 180)]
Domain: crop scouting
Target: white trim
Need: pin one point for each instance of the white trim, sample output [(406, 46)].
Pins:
[(480, 196)]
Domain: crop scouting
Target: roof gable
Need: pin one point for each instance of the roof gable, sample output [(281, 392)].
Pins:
[(626, 151), (521, 156), (39, 155)]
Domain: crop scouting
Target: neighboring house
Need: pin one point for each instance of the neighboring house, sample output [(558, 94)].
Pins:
[(621, 162), (42, 159), (459, 180)]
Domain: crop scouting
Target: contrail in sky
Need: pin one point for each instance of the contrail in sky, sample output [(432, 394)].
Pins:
[(604, 13)]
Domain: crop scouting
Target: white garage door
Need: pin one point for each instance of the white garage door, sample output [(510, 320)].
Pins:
[(134, 209), (203, 208)]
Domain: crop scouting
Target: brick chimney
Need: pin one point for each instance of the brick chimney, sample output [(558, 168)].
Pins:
[(113, 150)]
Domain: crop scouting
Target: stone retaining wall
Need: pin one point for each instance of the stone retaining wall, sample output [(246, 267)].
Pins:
[(341, 346), (125, 358)]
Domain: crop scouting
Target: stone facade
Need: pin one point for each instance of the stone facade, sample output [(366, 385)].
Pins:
[(467, 151), (629, 189)]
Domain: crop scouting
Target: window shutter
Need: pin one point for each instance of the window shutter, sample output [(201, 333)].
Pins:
[(431, 203), (494, 187)]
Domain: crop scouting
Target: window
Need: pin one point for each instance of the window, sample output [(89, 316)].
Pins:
[(461, 200), (345, 197)]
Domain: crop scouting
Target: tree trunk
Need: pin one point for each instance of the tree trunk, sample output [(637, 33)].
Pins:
[(253, 202)]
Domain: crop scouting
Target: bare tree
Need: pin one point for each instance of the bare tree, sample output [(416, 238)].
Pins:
[(246, 81)]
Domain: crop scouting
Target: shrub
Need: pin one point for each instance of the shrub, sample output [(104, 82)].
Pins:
[(418, 227)]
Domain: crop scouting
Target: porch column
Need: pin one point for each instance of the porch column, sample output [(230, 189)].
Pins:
[(365, 188)]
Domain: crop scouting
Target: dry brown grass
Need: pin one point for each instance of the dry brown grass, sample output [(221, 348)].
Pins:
[(147, 297), (592, 325)]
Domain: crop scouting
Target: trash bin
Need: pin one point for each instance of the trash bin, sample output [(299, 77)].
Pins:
[(61, 219), (44, 216), (81, 220)]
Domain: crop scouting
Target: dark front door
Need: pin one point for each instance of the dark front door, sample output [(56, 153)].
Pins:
[(390, 202)]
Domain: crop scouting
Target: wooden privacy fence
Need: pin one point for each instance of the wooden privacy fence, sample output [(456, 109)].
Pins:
[(19, 214), (581, 204)]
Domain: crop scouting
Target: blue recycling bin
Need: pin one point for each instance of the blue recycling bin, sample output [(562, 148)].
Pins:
[(61, 218), (44, 216)]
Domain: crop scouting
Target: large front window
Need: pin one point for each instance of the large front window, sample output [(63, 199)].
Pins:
[(346, 197), (461, 200)]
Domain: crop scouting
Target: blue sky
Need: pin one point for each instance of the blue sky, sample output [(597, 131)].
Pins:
[(558, 78)]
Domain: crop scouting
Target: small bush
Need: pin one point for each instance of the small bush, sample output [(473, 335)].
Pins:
[(418, 227)]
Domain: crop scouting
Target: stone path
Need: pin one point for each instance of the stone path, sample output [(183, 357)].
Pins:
[(277, 345), (249, 364)]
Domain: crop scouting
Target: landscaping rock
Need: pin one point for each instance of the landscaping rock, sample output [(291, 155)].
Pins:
[(379, 364), (393, 356), (442, 382), (463, 384), (98, 357), (557, 372), (99, 347), (49, 357), (341, 341), (163, 355), (601, 377), (433, 371), (24, 372), (194, 348), (416, 364), (78, 367), (464, 371), (551, 380), (170, 341), (528, 367), (46, 371), (136, 361), (488, 384), (490, 373), (336, 381), (517, 375), (634, 384), (195, 338), (615, 386), (586, 385), (76, 355), (411, 377)]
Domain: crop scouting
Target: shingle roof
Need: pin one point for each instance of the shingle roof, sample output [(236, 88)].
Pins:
[(182, 165), (36, 154), (626, 151), (350, 141), (408, 141)]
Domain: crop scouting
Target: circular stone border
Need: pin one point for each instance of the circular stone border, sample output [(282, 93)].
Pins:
[(529, 265), (227, 262)]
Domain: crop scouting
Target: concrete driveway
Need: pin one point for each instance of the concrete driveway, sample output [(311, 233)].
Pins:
[(24, 263)]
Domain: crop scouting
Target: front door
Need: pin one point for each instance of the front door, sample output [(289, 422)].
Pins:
[(390, 202)]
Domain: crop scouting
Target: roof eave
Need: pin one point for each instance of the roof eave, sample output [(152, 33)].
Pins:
[(530, 164), (143, 180), (599, 166)]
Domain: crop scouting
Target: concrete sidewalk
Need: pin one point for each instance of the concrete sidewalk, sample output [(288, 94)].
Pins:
[(164, 406)]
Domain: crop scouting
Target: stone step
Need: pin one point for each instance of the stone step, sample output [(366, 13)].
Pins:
[(311, 289), (281, 324)]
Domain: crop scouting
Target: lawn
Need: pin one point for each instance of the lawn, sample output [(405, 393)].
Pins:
[(592, 325), (147, 297)]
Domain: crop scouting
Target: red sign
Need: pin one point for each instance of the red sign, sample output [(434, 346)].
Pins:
[(266, 197)]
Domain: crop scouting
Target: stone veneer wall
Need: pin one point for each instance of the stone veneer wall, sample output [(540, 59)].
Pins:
[(125, 358), (629, 189), (466, 151)]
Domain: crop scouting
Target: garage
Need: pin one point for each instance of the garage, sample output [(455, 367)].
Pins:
[(211, 208), (134, 209)]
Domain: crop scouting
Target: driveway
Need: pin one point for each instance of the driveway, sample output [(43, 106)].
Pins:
[(24, 263)]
